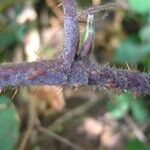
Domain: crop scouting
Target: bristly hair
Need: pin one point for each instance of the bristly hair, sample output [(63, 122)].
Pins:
[(96, 9)]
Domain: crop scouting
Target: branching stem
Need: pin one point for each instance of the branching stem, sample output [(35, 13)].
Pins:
[(70, 70)]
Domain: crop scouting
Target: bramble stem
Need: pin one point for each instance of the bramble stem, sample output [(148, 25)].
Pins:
[(71, 71), (81, 73), (71, 32)]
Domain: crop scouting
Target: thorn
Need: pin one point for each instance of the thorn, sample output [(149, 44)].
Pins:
[(12, 97), (0, 89), (59, 5), (75, 89), (105, 88), (107, 64), (33, 88), (59, 91), (125, 90), (127, 66)]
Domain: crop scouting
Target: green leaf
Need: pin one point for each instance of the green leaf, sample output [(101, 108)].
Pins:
[(135, 144), (139, 111), (5, 3), (11, 34), (131, 51), (9, 124), (144, 33), (139, 6), (120, 107), (85, 3)]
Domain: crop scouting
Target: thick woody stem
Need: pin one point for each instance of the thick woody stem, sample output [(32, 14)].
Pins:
[(81, 72), (71, 32), (111, 78)]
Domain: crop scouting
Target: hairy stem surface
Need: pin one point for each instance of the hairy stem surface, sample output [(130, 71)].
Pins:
[(71, 32), (70, 70), (81, 73)]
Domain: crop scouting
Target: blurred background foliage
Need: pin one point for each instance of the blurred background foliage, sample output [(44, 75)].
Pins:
[(61, 118)]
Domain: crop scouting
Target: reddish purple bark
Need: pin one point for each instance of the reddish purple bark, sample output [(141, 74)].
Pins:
[(81, 73), (70, 70), (71, 32)]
